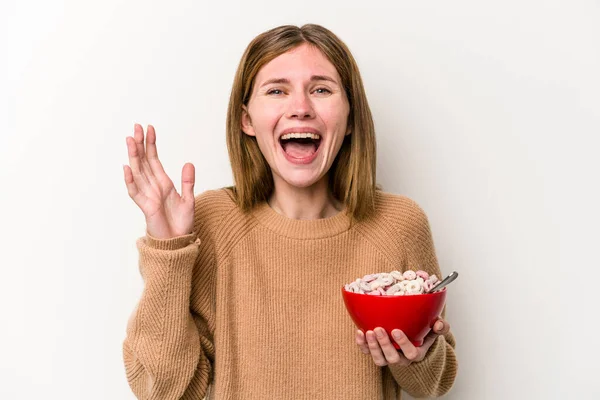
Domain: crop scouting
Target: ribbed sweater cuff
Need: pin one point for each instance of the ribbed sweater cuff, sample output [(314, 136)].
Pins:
[(175, 243), (431, 377)]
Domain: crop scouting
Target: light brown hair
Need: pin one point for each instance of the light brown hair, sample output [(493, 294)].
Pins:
[(352, 175)]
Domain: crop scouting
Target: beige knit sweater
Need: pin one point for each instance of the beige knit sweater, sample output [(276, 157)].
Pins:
[(249, 306)]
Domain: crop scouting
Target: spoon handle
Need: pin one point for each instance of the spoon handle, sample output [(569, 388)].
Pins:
[(447, 280)]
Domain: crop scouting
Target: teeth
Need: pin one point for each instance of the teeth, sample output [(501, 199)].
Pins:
[(300, 136)]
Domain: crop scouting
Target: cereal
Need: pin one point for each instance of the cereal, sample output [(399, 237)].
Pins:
[(422, 274), (397, 288), (414, 287), (397, 275), (394, 283), (427, 286), (364, 286), (369, 278), (410, 275)]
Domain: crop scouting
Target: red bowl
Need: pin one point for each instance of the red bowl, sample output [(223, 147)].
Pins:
[(414, 314)]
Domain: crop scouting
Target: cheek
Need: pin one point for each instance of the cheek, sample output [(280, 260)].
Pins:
[(265, 116), (335, 116)]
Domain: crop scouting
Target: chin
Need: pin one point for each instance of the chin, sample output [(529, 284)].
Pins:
[(300, 183), (300, 179)]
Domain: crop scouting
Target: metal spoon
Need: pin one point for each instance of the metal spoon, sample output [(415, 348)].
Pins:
[(450, 278)]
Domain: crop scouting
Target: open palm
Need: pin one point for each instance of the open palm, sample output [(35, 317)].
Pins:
[(168, 214)]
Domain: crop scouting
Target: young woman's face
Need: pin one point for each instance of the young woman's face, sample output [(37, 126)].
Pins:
[(298, 112)]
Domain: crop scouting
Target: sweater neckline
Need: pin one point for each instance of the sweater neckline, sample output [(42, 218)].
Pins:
[(301, 228)]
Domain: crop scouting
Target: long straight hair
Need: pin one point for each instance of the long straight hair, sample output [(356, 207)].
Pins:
[(352, 177)]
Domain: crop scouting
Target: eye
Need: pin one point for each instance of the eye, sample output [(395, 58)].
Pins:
[(322, 90), (274, 91)]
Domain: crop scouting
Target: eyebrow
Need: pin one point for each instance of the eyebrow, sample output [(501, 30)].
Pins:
[(312, 78)]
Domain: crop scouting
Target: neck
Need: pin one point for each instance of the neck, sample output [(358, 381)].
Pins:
[(314, 202)]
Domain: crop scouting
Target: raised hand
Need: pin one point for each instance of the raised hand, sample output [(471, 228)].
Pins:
[(167, 213)]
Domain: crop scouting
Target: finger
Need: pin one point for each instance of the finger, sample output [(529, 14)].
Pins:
[(138, 137), (429, 340), (188, 178), (132, 188), (389, 351), (408, 349), (441, 327), (361, 342), (152, 154), (375, 350), (134, 161)]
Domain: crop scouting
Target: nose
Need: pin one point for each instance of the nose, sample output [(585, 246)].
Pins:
[(300, 106)]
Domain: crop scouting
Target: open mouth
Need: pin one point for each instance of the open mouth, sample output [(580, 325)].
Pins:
[(300, 145)]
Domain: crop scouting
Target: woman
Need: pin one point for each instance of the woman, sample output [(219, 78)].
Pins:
[(242, 285)]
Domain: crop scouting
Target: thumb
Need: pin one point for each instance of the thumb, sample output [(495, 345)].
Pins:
[(188, 178), (441, 327)]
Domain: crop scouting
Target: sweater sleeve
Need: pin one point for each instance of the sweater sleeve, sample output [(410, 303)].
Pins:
[(168, 350), (433, 376)]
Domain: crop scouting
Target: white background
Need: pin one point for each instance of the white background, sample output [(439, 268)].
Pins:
[(487, 114)]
